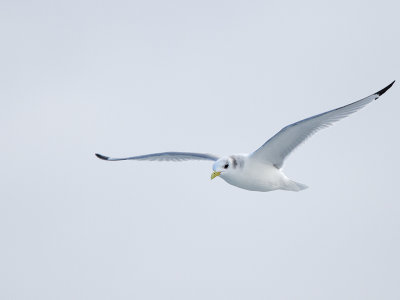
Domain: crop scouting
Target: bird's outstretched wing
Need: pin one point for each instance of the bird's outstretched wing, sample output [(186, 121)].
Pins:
[(277, 148), (166, 156)]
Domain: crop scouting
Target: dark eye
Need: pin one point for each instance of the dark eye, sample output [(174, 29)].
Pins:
[(226, 166)]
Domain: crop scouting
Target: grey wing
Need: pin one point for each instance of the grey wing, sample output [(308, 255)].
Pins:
[(165, 156), (277, 148)]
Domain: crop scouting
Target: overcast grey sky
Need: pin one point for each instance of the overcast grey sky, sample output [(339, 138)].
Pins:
[(135, 77)]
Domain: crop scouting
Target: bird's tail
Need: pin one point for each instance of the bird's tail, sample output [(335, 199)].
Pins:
[(294, 186)]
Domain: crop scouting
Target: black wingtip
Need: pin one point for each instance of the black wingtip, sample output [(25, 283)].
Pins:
[(382, 91), (101, 156)]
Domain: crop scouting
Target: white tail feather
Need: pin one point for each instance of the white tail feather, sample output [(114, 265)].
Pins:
[(294, 186)]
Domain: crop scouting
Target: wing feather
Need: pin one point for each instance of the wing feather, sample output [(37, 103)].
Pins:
[(165, 156), (277, 148)]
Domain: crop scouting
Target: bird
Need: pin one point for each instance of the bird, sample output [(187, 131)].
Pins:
[(261, 170)]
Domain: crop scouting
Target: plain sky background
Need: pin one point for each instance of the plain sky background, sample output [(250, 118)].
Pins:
[(133, 77)]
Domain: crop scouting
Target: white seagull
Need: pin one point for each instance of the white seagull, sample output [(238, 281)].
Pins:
[(261, 170)]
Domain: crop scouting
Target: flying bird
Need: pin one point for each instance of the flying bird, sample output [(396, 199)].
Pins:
[(262, 170)]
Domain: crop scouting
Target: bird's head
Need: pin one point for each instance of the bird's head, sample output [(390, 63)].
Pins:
[(222, 166)]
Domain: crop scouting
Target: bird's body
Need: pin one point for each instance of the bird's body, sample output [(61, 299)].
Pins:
[(261, 170), (253, 175)]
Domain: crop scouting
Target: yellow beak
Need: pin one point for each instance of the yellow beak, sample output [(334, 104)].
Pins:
[(215, 174)]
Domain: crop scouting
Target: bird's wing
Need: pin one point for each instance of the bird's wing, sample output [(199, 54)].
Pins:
[(277, 148), (165, 156)]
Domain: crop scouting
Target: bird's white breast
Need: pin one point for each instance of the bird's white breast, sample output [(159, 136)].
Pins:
[(255, 176)]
